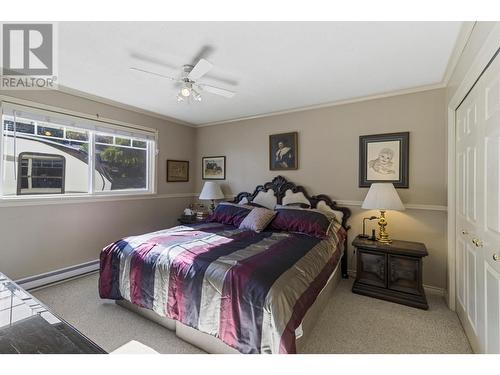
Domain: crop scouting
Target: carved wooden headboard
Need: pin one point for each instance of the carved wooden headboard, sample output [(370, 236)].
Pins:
[(280, 186)]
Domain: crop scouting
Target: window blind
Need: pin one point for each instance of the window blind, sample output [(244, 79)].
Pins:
[(60, 118)]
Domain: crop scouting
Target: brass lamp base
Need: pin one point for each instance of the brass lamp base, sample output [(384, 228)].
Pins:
[(383, 236)]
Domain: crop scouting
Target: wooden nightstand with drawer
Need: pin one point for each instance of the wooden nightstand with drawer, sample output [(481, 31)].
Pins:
[(392, 272)]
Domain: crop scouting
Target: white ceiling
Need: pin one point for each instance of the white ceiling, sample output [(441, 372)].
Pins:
[(273, 66)]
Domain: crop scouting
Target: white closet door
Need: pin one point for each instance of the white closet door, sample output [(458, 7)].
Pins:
[(478, 211), (469, 207), (490, 86)]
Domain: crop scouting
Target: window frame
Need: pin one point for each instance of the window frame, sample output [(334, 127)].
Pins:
[(111, 125)]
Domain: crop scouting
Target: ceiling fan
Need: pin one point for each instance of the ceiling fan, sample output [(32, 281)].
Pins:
[(190, 87)]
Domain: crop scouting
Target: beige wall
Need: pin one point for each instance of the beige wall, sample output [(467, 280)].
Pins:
[(37, 239), (328, 160)]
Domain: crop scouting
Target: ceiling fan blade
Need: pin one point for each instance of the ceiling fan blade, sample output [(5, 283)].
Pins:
[(217, 90), (204, 52), (142, 58), (153, 73), (200, 69)]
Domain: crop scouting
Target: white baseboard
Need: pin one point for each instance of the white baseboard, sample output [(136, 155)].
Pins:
[(428, 288), (351, 273), (435, 290), (44, 279)]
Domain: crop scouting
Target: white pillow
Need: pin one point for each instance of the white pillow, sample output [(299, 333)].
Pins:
[(243, 201), (322, 206), (291, 198), (266, 199)]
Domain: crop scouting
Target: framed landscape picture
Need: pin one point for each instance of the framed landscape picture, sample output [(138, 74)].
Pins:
[(177, 171), (213, 167), (384, 158), (283, 151)]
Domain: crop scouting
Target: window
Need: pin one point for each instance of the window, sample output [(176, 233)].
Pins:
[(124, 161), (51, 153)]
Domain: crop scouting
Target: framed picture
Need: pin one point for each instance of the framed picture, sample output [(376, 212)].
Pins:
[(384, 158), (177, 171), (283, 151), (213, 167)]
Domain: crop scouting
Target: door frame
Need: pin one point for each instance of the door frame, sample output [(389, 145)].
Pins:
[(477, 67)]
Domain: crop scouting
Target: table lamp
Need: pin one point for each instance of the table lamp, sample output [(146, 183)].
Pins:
[(382, 197), (211, 191)]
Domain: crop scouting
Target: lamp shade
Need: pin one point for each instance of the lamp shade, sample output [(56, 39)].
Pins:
[(211, 190), (383, 196)]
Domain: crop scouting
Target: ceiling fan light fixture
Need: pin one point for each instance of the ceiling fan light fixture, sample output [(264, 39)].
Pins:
[(196, 95), (186, 89), (189, 85)]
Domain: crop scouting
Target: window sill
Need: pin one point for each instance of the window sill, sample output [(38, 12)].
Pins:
[(84, 198)]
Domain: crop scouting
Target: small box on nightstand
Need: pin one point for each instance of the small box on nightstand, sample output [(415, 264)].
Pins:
[(190, 219)]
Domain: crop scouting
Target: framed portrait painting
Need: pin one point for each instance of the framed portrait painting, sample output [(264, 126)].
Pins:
[(384, 158), (213, 167), (283, 151), (177, 171)]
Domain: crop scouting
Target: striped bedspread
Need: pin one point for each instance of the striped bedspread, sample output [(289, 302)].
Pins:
[(251, 290)]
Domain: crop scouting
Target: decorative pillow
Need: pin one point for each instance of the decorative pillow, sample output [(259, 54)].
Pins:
[(258, 219), (230, 213), (308, 221)]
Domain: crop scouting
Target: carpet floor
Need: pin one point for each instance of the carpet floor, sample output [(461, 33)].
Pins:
[(350, 323)]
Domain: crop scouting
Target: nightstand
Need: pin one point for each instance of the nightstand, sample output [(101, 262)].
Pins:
[(392, 272), (189, 219)]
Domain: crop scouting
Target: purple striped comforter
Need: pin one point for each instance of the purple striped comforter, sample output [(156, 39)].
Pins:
[(251, 290)]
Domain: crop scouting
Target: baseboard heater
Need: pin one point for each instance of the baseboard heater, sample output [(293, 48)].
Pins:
[(44, 279)]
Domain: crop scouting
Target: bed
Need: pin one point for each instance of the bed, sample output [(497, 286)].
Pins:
[(231, 290)]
